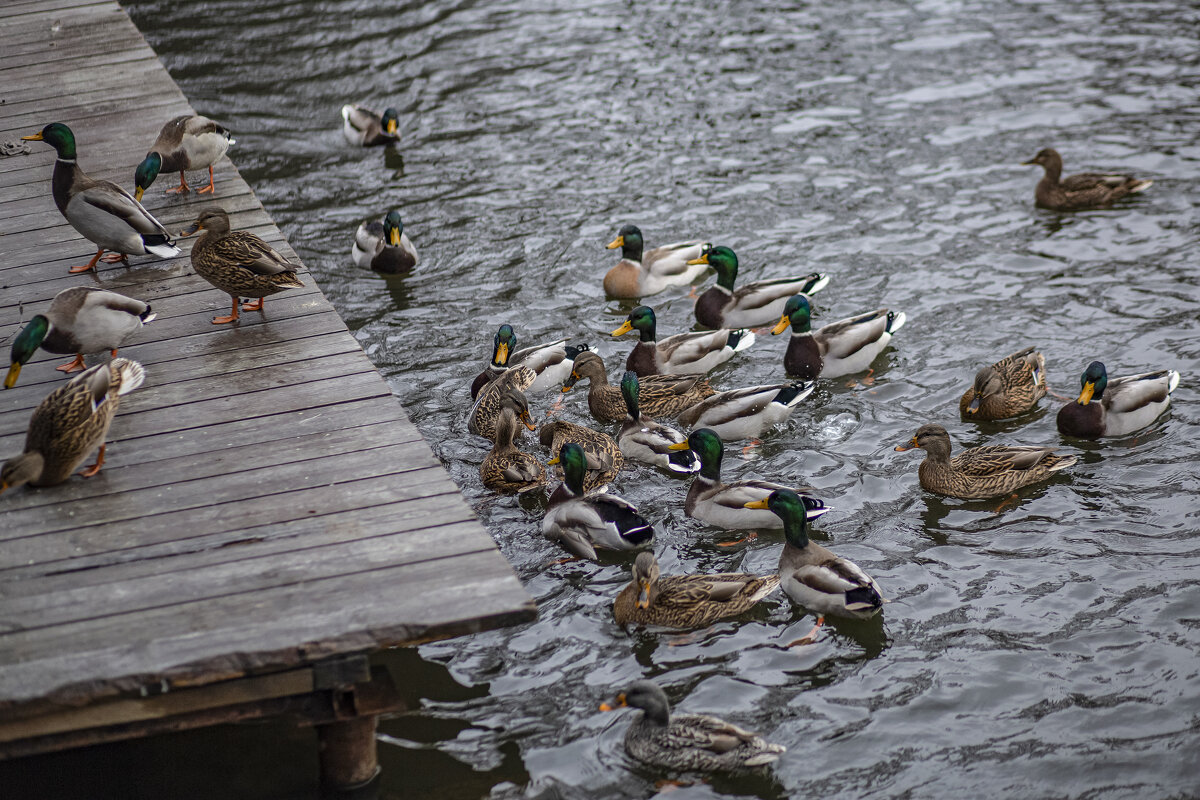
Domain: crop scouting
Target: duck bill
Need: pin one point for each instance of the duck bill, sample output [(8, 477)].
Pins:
[(553, 462), (569, 382), (625, 328), (909, 445), (757, 504), (973, 406), (188, 231), (781, 326), (615, 704), (501, 358), (701, 260), (643, 600), (615, 243), (392, 125), (394, 237), (10, 380), (137, 193), (33, 137), (525, 418), (1029, 163), (1085, 396), (678, 446)]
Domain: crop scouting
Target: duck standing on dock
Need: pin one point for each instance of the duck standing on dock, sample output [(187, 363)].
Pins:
[(687, 742), (70, 423), (750, 305), (839, 348), (384, 246), (238, 263), (1116, 407), (367, 128), (689, 353), (188, 142), (643, 272), (1081, 192), (106, 215), (81, 319)]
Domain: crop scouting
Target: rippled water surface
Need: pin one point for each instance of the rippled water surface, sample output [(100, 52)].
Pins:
[(1047, 650)]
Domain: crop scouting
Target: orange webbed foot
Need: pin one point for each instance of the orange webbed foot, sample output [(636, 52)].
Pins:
[(255, 306), (749, 537), (1003, 503), (72, 366), (94, 468), (809, 637), (116, 258)]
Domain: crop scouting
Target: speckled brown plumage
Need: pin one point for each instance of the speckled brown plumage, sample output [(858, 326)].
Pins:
[(687, 601), (1082, 191), (1011, 386), (604, 456), (505, 468), (661, 395)]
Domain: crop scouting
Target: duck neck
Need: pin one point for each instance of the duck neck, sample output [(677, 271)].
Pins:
[(710, 468), (795, 530)]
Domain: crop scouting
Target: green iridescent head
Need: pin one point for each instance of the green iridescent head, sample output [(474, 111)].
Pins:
[(24, 346), (789, 507), (630, 391), (643, 320), (1092, 382), (629, 239), (798, 313), (145, 174), (504, 343), (574, 466), (390, 121), (707, 446), (393, 227), (58, 136), (725, 262)]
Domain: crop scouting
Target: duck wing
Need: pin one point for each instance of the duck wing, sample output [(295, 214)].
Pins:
[(1133, 392), (104, 199), (248, 250), (846, 337)]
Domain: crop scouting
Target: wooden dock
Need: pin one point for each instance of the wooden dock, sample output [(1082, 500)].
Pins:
[(267, 513)]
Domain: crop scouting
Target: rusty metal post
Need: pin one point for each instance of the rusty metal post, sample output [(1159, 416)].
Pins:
[(347, 753)]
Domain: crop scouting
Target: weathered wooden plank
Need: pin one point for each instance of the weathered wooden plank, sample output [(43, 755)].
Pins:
[(19, 8), (144, 69), (373, 498), (62, 37), (53, 54), (90, 108), (388, 606)]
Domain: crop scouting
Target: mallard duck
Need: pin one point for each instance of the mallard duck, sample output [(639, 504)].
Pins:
[(188, 142), (750, 305), (724, 504), (839, 348), (640, 273), (583, 522), (506, 469), (659, 395), (645, 440), (103, 212), (687, 601), (1079, 192), (746, 413), (602, 453), (1117, 407), (551, 361), (1011, 386), (812, 575), (81, 319), (238, 262), (367, 128), (70, 423), (486, 411), (690, 353), (687, 742), (384, 246), (980, 472)]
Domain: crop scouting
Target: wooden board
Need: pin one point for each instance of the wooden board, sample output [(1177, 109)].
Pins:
[(265, 501)]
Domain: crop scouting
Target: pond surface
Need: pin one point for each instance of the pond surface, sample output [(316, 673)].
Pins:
[(1050, 649)]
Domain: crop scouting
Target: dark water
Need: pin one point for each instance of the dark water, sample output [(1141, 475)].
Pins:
[(1046, 651)]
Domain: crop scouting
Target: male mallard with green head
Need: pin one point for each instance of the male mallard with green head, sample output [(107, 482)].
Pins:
[(367, 128), (745, 413), (583, 522), (650, 442), (550, 361), (238, 263), (106, 215), (750, 305), (80, 320), (1116, 407), (689, 353), (839, 348), (384, 246), (643, 272), (188, 142)]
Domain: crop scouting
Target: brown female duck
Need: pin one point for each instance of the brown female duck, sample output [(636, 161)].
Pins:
[(1011, 386), (238, 262), (603, 455), (660, 395), (687, 601), (1079, 192), (980, 472), (506, 469)]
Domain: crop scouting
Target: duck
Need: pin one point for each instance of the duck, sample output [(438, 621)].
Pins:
[(550, 361), (745, 413), (660, 395), (839, 348), (645, 440), (602, 453), (187, 142), (70, 423), (724, 504), (690, 353), (506, 469), (751, 305), (1008, 388), (366, 128), (687, 742), (815, 578), (1117, 407), (640, 273), (582, 522), (687, 601), (384, 246), (1087, 190), (238, 263), (104, 213), (484, 414), (980, 473), (81, 319)]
